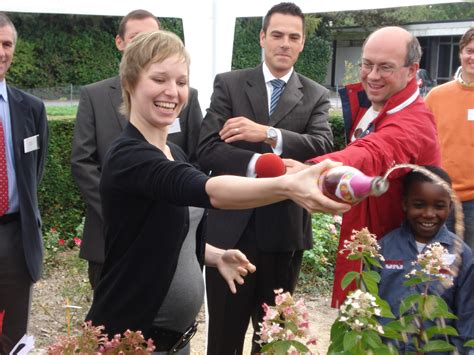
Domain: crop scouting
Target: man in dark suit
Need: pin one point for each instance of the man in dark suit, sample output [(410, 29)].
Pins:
[(99, 122), (23, 147), (247, 118)]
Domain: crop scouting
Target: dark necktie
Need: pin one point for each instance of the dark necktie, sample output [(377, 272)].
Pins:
[(278, 86), (3, 173)]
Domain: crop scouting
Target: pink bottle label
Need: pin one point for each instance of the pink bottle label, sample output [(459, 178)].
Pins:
[(353, 186)]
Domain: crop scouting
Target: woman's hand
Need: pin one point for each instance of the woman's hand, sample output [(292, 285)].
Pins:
[(294, 166), (304, 190), (233, 266)]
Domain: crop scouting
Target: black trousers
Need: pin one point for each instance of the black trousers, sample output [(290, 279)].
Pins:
[(229, 314), (15, 285), (94, 271)]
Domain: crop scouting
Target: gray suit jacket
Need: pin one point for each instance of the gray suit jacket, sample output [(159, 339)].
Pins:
[(301, 115), (98, 123), (28, 118)]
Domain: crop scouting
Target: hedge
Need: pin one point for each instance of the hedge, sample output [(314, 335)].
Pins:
[(58, 50), (60, 202)]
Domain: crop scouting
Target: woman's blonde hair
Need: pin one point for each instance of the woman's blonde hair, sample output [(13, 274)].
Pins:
[(146, 49)]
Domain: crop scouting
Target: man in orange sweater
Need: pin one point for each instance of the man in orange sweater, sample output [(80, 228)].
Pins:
[(453, 107)]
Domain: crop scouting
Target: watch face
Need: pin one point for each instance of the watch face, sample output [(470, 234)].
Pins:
[(271, 133)]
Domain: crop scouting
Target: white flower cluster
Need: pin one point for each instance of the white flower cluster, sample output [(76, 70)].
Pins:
[(432, 263), (362, 242), (358, 312)]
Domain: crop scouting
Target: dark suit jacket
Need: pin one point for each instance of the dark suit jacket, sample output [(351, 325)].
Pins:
[(28, 117), (98, 123), (301, 115)]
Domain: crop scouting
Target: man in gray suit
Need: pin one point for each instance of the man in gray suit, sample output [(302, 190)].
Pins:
[(23, 147), (99, 122), (251, 114)]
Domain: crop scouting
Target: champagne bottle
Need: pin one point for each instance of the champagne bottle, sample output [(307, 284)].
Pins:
[(350, 185)]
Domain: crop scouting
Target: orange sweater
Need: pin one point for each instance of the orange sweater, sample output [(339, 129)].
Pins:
[(453, 107)]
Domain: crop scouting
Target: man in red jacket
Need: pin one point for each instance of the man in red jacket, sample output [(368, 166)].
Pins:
[(386, 123)]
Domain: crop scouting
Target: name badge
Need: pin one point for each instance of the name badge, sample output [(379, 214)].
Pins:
[(175, 127), (470, 114), (31, 143)]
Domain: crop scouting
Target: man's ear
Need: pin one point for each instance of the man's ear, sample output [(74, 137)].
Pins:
[(412, 69), (262, 38), (119, 43)]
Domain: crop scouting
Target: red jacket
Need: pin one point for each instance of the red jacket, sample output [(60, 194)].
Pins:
[(403, 132)]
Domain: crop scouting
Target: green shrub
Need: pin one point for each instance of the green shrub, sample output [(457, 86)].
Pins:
[(60, 202), (318, 262), (337, 126)]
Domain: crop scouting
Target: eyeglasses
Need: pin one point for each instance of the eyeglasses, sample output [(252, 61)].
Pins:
[(384, 70)]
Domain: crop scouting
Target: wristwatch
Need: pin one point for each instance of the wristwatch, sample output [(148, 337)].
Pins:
[(272, 134)]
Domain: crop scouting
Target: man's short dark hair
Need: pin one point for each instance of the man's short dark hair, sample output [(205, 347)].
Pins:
[(135, 15), (5, 21), (466, 39), (417, 176), (286, 8)]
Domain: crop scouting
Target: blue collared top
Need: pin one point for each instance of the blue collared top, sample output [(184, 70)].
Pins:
[(5, 117)]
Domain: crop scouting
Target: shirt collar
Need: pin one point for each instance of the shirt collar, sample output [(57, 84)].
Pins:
[(3, 90), (443, 236), (269, 76)]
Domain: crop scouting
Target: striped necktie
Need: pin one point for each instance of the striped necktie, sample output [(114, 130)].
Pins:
[(3, 173), (278, 86)]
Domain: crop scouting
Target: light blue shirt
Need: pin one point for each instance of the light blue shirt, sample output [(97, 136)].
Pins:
[(14, 203)]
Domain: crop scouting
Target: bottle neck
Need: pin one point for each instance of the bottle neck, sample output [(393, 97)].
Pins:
[(361, 185)]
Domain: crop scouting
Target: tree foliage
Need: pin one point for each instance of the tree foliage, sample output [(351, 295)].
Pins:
[(369, 19)]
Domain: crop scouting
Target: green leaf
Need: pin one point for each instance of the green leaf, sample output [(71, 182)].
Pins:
[(266, 347), (373, 262), (353, 257), (413, 281), (385, 310), (470, 343), (447, 329), (409, 302), (303, 349), (291, 326), (408, 324), (372, 339), (281, 347), (391, 333), (438, 345), (371, 279), (348, 278), (338, 330), (350, 340)]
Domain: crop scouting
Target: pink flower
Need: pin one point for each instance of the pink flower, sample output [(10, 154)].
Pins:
[(333, 229), (288, 310), (304, 325), (337, 219), (61, 241), (311, 341), (77, 241)]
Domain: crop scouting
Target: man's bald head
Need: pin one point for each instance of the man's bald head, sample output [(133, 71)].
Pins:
[(399, 36)]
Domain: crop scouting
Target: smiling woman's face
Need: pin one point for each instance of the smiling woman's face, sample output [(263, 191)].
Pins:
[(160, 93)]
